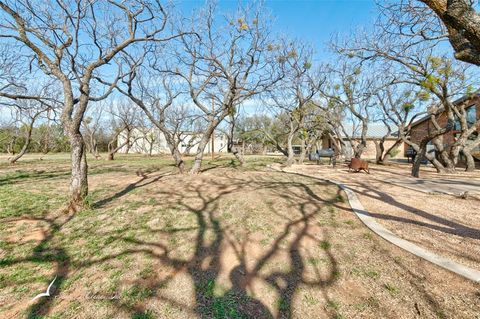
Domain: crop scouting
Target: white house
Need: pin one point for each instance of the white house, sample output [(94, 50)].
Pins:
[(153, 142)]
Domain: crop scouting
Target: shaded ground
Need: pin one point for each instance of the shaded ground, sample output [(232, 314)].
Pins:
[(430, 181), (449, 186), (230, 243), (447, 225)]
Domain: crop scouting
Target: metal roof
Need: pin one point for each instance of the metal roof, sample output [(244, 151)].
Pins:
[(374, 130)]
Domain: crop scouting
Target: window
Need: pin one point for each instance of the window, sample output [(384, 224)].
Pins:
[(471, 117)]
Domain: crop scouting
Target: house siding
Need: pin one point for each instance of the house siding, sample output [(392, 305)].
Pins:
[(160, 146), (370, 151)]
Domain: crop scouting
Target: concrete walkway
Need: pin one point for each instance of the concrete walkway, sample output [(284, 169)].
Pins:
[(450, 186), (369, 221)]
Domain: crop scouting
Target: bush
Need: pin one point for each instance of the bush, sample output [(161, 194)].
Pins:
[(394, 152)]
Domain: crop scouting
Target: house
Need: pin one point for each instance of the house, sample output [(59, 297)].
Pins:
[(153, 141), (421, 127), (375, 132)]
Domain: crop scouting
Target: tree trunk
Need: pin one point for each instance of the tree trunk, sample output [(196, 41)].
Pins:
[(177, 156), (11, 146), (112, 151), (78, 181), (421, 154), (94, 147), (95, 152), (22, 152), (386, 155), (291, 156), (379, 149), (418, 161), (470, 161), (358, 149), (197, 164), (448, 163), (238, 155), (229, 144), (302, 152)]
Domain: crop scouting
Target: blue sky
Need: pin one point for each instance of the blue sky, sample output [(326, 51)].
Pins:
[(312, 20)]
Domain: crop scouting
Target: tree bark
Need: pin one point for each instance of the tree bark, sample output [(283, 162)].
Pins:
[(303, 152), (379, 149), (238, 154), (291, 156), (177, 156), (78, 181), (462, 23), (470, 161), (385, 155), (197, 164), (417, 163), (448, 163)]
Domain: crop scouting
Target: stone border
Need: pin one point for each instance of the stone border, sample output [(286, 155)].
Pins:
[(369, 221), (418, 251)]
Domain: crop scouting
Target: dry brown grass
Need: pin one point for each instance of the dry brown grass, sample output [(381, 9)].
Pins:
[(229, 243)]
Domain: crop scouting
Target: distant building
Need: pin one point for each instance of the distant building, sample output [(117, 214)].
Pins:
[(153, 142)]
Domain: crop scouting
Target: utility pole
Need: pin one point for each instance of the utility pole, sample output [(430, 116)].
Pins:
[(213, 132)]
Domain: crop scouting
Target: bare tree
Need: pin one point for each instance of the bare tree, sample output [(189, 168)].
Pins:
[(149, 136), (349, 96), (123, 121), (398, 108), (297, 89), (91, 127), (157, 93), (438, 78), (75, 42), (26, 113), (227, 64)]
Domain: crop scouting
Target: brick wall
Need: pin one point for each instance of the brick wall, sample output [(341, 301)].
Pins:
[(419, 131)]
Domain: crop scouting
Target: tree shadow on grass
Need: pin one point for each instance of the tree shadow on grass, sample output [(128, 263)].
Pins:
[(210, 234), (211, 237), (43, 252), (32, 176), (143, 181)]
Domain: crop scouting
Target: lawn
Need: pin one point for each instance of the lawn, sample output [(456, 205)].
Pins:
[(232, 242)]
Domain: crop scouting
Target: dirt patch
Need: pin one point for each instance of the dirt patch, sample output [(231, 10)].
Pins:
[(447, 225), (25, 230)]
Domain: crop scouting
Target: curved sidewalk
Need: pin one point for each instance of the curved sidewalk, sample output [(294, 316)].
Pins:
[(369, 221)]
